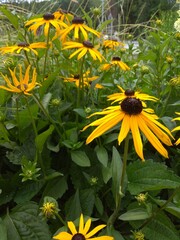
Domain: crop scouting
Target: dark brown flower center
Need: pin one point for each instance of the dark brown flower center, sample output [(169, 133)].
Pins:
[(48, 16), (76, 76), (116, 59), (88, 44), (77, 20), (113, 39), (23, 44), (78, 236), (131, 106), (24, 85), (129, 92)]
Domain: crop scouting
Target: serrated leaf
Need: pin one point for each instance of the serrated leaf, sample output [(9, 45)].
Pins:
[(41, 138), (102, 155), (148, 175), (134, 214), (23, 223), (161, 228), (80, 158)]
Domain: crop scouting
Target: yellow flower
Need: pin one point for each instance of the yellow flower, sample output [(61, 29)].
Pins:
[(135, 119), (119, 97), (47, 20), (63, 15), (23, 46), (83, 49), (112, 43), (175, 81), (82, 233), (169, 59), (79, 28), (141, 198), (87, 80), (116, 61), (177, 128), (22, 85), (49, 209)]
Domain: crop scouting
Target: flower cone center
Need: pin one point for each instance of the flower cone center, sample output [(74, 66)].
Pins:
[(131, 106), (129, 92), (48, 16), (78, 236), (88, 44), (77, 20), (23, 44), (116, 59)]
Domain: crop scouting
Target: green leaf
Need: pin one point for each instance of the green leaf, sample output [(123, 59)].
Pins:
[(102, 155), (41, 138), (87, 199), (80, 158), (99, 205), (148, 175), (134, 214), (27, 191), (161, 228), (56, 188), (23, 223), (116, 173), (11, 17), (3, 230)]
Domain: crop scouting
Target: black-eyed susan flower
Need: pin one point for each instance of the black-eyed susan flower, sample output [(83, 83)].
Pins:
[(177, 128), (83, 49), (47, 20), (133, 117), (79, 28), (63, 15), (22, 85), (87, 80), (116, 61), (82, 233), (23, 46), (112, 43), (119, 97)]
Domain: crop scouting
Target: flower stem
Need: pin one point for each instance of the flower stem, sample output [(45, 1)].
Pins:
[(46, 53), (115, 214), (60, 219)]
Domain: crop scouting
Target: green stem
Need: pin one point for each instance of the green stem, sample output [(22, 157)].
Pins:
[(46, 113), (115, 214), (60, 219), (159, 209)]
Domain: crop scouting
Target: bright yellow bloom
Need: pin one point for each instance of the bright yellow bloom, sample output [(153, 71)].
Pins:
[(63, 15), (82, 233), (78, 27), (23, 46), (86, 79), (22, 85), (116, 61), (112, 43), (119, 97), (83, 49), (135, 119), (49, 209), (47, 20), (177, 128)]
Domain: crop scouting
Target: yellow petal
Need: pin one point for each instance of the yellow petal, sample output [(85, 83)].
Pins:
[(95, 230), (63, 236), (125, 127), (72, 227), (81, 224)]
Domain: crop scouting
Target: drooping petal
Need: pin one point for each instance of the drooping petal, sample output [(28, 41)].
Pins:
[(101, 238), (125, 127), (136, 136), (84, 33), (74, 53)]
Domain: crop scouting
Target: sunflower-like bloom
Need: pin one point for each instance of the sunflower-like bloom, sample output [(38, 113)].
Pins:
[(135, 119), (112, 43), (23, 46), (177, 128), (116, 61), (22, 85), (86, 79), (63, 15), (47, 20), (79, 28), (82, 233), (83, 49), (119, 97)]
